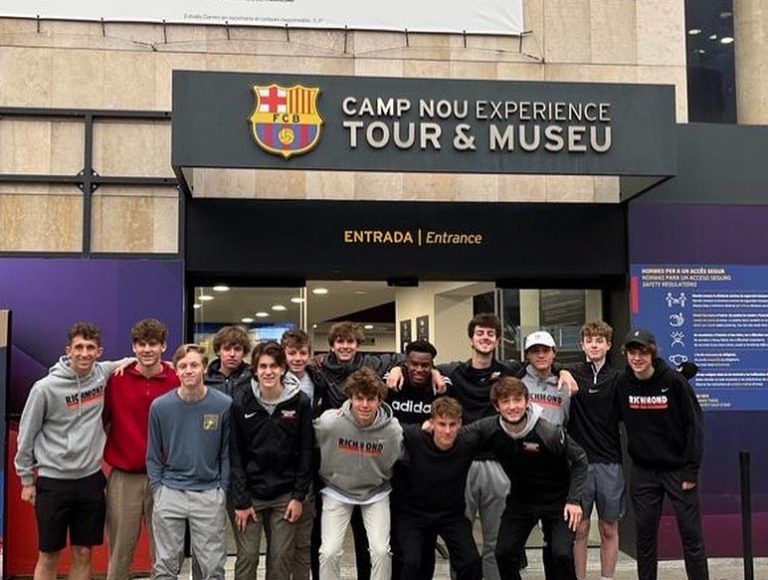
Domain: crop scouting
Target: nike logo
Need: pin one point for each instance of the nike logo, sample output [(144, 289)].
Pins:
[(249, 415), (593, 391), (665, 390)]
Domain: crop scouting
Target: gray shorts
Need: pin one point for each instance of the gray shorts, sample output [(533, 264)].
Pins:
[(605, 487)]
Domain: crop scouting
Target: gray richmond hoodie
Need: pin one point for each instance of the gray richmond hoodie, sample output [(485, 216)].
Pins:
[(357, 461), (532, 414), (544, 392), (61, 433), (290, 388)]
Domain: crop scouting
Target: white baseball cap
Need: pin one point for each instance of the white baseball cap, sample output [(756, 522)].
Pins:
[(539, 337)]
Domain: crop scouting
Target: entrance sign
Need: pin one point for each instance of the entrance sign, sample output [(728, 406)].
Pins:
[(244, 120), (479, 17), (404, 240)]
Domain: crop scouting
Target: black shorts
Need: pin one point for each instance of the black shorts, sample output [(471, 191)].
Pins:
[(74, 505)]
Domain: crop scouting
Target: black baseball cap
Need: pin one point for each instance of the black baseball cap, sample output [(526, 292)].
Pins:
[(641, 337)]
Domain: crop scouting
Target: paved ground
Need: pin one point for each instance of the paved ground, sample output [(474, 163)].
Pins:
[(719, 568)]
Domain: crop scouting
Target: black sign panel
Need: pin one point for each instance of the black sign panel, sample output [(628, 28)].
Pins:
[(296, 240), (243, 120)]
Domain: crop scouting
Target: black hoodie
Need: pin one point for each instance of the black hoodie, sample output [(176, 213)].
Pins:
[(663, 420), (270, 446), (329, 376)]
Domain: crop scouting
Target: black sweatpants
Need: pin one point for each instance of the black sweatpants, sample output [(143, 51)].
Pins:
[(416, 536), (558, 543), (647, 490)]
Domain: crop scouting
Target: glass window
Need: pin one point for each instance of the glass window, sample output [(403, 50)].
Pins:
[(710, 60)]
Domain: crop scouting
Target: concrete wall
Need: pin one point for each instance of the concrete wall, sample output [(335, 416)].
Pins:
[(128, 67)]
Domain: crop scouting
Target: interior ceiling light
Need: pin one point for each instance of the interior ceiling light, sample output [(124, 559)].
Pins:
[(726, 14), (700, 51), (247, 320), (278, 308), (205, 297), (314, 326), (197, 305), (694, 31), (262, 314), (360, 292), (713, 36), (320, 291), (297, 300), (726, 40), (368, 327), (221, 288)]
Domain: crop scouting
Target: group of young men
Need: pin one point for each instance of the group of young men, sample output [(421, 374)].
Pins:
[(405, 450)]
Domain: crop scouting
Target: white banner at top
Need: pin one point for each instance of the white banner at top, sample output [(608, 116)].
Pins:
[(474, 17)]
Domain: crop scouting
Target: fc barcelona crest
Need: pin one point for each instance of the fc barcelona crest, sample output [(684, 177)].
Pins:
[(285, 120)]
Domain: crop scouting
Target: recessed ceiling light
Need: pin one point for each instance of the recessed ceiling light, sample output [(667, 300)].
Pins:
[(297, 300), (368, 327), (197, 305), (221, 288), (320, 291), (278, 307), (314, 326), (247, 320), (205, 297), (726, 40), (262, 314), (694, 31), (713, 36), (726, 14), (360, 292), (700, 51)]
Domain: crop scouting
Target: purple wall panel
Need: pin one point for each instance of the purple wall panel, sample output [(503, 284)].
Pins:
[(48, 295), (713, 234)]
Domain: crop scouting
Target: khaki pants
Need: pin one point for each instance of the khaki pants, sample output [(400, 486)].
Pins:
[(280, 535), (129, 499)]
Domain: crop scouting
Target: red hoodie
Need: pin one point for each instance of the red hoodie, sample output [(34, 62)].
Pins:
[(126, 415)]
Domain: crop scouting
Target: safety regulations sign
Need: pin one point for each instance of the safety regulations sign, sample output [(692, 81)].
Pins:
[(715, 316)]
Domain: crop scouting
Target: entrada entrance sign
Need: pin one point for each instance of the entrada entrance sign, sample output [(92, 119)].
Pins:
[(426, 125)]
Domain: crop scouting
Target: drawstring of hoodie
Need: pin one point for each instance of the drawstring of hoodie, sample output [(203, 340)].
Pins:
[(79, 398)]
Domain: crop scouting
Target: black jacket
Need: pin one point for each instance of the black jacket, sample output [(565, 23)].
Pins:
[(227, 384), (270, 455), (663, 420), (546, 468), (594, 417), (330, 374)]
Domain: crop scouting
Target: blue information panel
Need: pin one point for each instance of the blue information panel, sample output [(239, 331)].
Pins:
[(715, 316)]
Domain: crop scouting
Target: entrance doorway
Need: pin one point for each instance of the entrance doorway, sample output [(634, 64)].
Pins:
[(391, 316)]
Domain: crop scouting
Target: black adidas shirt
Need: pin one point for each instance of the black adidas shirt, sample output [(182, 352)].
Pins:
[(413, 405), (594, 418)]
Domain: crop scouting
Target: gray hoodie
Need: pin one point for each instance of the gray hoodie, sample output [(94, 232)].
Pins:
[(290, 388), (532, 414), (61, 433), (544, 392), (357, 461)]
